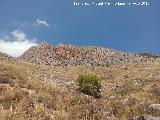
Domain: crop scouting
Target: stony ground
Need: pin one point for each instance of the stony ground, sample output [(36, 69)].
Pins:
[(63, 55), (42, 85), (34, 92), (6, 57)]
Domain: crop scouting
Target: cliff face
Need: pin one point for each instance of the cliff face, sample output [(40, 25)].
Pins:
[(62, 55)]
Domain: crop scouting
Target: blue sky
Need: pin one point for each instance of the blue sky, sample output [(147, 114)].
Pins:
[(130, 29)]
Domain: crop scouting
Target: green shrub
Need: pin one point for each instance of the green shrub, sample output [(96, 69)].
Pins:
[(89, 84)]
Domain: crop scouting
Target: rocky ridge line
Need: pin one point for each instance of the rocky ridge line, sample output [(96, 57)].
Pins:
[(4, 56), (63, 55)]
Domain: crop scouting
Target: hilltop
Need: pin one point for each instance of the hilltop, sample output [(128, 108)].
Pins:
[(4, 56), (63, 55)]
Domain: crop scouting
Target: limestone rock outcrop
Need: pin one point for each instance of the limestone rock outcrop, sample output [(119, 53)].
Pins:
[(63, 55)]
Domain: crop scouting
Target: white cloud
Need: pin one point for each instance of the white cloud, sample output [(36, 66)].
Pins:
[(16, 44), (37, 23), (19, 35), (42, 23)]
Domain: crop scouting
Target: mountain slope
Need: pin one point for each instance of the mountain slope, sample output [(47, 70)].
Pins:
[(33, 92), (62, 55), (4, 56)]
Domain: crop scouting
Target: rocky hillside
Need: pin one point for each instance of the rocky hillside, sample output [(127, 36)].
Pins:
[(48, 90), (63, 55), (4, 56), (41, 92)]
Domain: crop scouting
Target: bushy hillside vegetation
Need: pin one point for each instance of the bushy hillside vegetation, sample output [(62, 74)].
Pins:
[(35, 92)]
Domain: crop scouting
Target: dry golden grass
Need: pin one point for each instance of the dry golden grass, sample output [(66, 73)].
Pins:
[(127, 91)]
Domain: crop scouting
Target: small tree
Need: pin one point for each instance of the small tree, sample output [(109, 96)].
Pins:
[(89, 84)]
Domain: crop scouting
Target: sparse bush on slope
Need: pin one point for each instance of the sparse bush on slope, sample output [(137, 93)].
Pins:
[(89, 84), (25, 96)]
